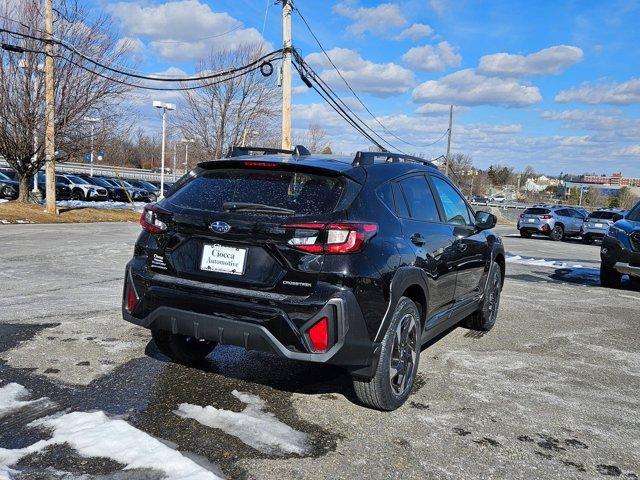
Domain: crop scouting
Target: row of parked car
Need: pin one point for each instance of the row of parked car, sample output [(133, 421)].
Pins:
[(618, 231), (86, 188), (560, 221)]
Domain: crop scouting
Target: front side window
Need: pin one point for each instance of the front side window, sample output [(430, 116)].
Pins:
[(455, 208), (422, 205)]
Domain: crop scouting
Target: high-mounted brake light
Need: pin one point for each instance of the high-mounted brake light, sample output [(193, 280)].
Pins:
[(149, 219), (319, 335), (252, 164), (331, 238)]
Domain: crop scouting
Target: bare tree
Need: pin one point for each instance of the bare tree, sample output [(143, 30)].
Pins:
[(243, 108), (315, 139), (78, 93)]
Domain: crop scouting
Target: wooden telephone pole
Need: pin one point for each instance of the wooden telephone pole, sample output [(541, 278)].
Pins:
[(49, 138), (448, 159), (287, 8)]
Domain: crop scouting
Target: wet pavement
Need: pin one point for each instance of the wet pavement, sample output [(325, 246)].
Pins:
[(551, 392)]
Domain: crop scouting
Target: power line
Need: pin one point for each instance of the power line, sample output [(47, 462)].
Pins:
[(352, 90)]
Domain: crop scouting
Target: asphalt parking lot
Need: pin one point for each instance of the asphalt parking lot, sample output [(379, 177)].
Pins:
[(551, 392)]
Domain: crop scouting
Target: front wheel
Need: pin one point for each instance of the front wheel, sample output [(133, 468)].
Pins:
[(77, 195), (484, 319), (398, 364), (557, 233), (610, 278), (587, 240)]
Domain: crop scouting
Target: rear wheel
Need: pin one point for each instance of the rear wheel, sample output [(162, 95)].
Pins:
[(587, 240), (525, 234), (610, 278), (484, 319), (398, 364), (182, 348), (557, 233)]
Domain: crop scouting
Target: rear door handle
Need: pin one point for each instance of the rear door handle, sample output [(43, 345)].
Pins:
[(417, 239)]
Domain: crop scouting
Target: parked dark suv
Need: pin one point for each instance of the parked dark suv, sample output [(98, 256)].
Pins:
[(620, 251), (353, 262)]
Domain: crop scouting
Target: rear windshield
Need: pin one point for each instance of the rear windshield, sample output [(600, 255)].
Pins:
[(603, 215), (305, 194), (536, 211)]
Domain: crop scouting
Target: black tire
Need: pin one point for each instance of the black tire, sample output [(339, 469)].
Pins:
[(525, 234), (484, 319), (557, 233), (153, 198), (161, 338), (610, 278), (587, 240), (389, 388), (77, 195)]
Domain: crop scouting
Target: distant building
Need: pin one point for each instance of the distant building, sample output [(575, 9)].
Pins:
[(615, 179)]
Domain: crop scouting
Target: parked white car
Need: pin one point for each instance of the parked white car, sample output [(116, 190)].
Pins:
[(83, 190)]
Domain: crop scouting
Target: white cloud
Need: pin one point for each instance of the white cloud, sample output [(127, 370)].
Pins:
[(623, 93), (379, 79), (130, 45), (438, 6), (630, 151), (415, 32), (183, 29), (433, 59), (433, 109), (549, 61), (466, 87), (376, 20)]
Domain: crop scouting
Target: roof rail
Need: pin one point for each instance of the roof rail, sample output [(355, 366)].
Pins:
[(238, 151), (369, 158)]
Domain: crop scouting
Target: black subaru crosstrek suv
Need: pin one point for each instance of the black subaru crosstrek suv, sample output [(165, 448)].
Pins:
[(352, 262), (620, 250)]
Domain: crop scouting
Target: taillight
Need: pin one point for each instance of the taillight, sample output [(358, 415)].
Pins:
[(522, 215), (319, 335), (331, 238), (132, 299), (149, 219), (546, 217)]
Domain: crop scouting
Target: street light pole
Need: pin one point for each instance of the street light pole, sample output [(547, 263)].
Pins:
[(186, 152), (175, 152), (92, 121), (166, 107)]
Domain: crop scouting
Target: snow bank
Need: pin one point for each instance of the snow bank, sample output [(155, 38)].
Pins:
[(3, 200), (96, 435), (12, 398), (253, 426), (540, 262), (137, 206)]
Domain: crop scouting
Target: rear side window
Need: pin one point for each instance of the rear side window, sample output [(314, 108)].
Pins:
[(536, 211), (455, 208), (419, 198), (401, 205), (596, 215), (305, 194)]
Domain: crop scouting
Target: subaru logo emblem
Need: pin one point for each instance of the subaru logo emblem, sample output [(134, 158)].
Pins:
[(220, 227)]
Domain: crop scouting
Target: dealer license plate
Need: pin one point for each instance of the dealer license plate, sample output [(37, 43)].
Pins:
[(221, 259)]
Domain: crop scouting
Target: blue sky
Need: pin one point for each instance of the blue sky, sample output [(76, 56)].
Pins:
[(551, 84)]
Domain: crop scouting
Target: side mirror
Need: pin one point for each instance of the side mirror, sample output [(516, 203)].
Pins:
[(485, 220), (617, 216)]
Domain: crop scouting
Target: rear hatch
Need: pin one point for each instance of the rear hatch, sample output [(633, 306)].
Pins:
[(243, 227), (534, 216)]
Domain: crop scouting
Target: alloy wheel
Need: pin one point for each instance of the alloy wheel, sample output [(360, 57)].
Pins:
[(404, 354)]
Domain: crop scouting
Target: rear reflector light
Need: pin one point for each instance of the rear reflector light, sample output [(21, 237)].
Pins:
[(251, 164), (132, 300), (149, 219), (319, 335), (331, 238)]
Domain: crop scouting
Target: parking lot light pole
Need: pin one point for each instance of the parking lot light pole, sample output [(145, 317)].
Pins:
[(186, 152), (165, 107), (92, 121)]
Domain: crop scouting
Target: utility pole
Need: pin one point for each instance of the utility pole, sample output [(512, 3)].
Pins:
[(287, 8), (165, 107), (175, 152), (49, 137), (448, 159)]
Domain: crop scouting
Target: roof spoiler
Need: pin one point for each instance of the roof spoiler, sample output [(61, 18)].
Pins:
[(237, 151)]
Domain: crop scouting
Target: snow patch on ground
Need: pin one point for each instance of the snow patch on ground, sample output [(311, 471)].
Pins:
[(253, 426), (540, 262), (96, 435), (3, 200), (12, 397), (137, 206)]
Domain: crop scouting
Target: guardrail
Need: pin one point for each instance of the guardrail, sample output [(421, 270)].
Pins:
[(108, 170), (504, 206)]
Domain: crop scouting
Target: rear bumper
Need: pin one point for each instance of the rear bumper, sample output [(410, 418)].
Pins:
[(541, 228), (627, 269), (275, 325)]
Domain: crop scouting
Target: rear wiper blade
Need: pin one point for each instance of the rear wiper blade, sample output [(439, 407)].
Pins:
[(256, 207)]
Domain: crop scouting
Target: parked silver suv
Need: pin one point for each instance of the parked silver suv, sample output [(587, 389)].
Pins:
[(597, 224), (554, 221)]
